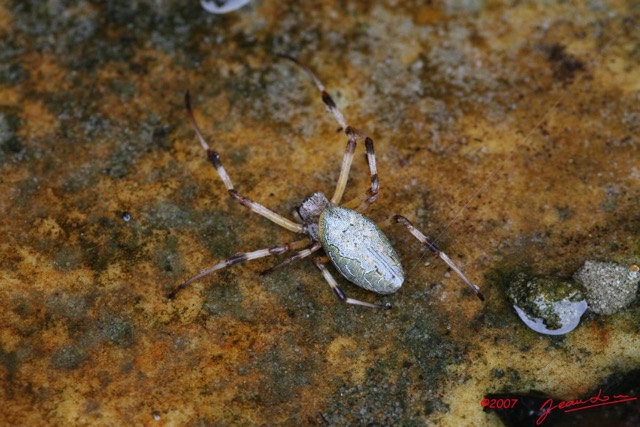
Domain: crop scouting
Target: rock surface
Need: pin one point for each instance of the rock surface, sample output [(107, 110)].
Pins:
[(507, 132)]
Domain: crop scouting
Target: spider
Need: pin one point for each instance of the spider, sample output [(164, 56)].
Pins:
[(355, 245)]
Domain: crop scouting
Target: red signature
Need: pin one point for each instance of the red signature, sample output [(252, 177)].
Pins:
[(578, 405)]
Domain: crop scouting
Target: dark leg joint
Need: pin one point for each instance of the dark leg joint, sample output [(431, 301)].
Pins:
[(375, 184), (404, 221), (236, 259), (368, 143), (187, 101), (340, 294), (350, 132), (433, 248), (172, 294), (214, 158), (244, 201), (326, 98)]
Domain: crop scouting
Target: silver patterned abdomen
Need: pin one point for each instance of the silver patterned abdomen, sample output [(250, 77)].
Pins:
[(360, 250)]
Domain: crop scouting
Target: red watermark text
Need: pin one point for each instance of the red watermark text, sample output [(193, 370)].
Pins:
[(580, 404)]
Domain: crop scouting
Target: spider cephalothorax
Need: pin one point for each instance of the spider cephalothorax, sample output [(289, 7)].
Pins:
[(310, 210)]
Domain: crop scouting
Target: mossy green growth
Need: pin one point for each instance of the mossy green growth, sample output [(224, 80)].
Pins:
[(546, 298)]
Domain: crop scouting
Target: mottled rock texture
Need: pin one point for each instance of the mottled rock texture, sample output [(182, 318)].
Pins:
[(507, 131)]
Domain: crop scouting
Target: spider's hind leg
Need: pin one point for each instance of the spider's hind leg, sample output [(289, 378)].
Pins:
[(295, 257), (334, 285), (433, 248)]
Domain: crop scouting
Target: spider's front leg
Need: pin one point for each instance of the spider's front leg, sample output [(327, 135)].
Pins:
[(353, 136), (237, 259), (361, 204), (214, 158), (433, 248)]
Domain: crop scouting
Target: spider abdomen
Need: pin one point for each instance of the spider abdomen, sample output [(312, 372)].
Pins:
[(359, 250)]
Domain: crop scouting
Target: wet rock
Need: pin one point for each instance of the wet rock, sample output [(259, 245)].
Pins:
[(609, 287), (546, 304)]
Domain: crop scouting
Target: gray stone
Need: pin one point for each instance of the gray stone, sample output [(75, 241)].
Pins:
[(609, 287)]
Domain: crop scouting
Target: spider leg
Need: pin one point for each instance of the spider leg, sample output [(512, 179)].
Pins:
[(214, 158), (346, 166), (297, 256), (433, 248), (334, 285), (361, 204), (326, 98), (236, 259), (353, 136)]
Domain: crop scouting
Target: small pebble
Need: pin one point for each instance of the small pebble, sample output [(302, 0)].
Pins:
[(609, 287), (546, 304)]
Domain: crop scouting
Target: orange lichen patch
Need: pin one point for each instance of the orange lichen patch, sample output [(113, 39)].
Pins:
[(12, 339), (30, 260), (188, 307), (257, 297), (114, 275), (48, 228), (479, 141), (120, 101), (427, 15), (38, 120), (10, 97), (617, 74), (76, 217), (340, 355), (48, 75), (56, 337), (6, 20), (218, 351)]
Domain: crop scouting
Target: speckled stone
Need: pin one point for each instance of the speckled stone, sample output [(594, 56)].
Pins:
[(610, 287)]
